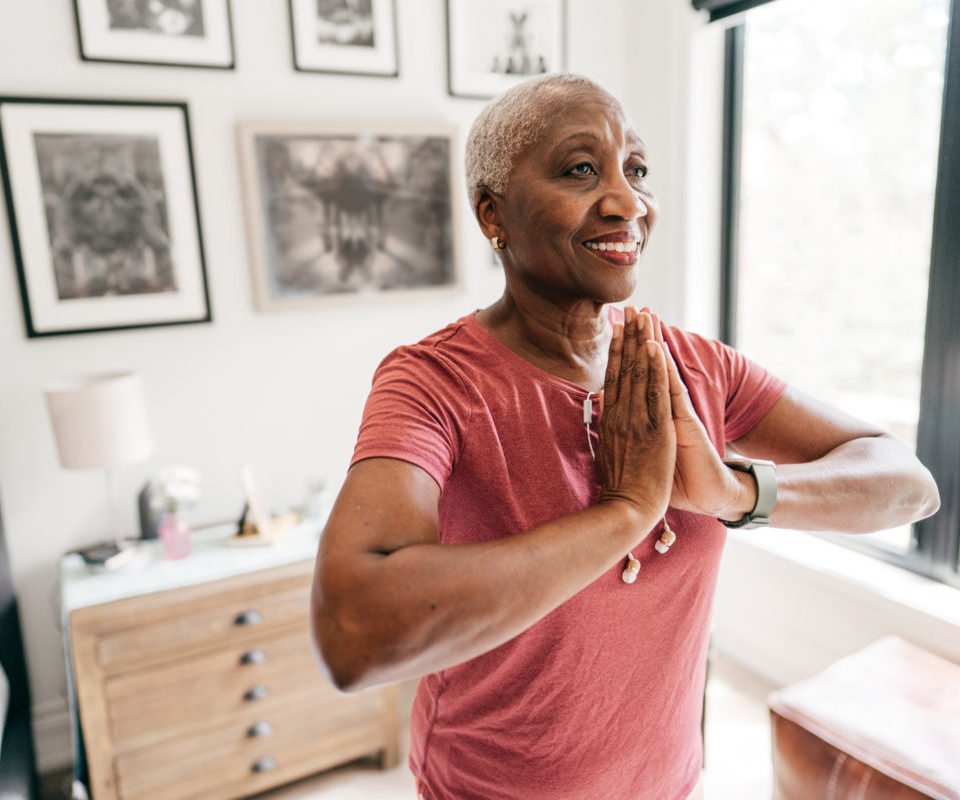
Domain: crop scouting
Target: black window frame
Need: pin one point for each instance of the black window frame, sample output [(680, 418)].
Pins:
[(935, 548)]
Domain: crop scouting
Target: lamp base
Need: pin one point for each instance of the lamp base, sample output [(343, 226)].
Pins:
[(107, 555)]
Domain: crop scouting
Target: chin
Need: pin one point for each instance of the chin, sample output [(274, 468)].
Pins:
[(617, 292)]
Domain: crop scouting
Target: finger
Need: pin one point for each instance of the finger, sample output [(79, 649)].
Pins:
[(640, 374), (657, 327), (679, 396), (645, 325), (658, 396), (628, 355), (611, 380)]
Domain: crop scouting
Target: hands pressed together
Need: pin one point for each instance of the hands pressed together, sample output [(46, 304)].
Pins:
[(654, 451)]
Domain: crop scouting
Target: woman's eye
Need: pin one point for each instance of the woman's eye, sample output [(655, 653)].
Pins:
[(639, 171), (584, 168)]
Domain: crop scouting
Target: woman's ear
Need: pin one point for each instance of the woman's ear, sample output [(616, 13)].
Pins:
[(486, 207)]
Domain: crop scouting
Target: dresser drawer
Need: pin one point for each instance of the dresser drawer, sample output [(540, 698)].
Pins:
[(217, 626), (168, 700), (231, 760)]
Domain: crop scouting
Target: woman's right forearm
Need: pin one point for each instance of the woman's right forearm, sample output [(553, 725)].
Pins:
[(383, 617)]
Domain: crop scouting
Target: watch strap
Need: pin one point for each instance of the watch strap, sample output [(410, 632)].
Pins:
[(764, 474)]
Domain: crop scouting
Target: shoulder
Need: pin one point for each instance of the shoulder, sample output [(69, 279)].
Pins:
[(451, 354), (441, 366)]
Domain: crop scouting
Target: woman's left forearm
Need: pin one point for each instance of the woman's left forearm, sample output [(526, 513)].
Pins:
[(862, 485)]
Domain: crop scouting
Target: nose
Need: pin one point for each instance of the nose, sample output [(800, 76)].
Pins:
[(621, 199)]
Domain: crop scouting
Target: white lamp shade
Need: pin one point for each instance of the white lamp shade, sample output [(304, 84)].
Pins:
[(99, 420)]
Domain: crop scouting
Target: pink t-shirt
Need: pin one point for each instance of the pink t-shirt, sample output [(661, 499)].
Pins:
[(602, 697)]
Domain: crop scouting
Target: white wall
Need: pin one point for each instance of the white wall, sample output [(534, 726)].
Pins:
[(286, 389)]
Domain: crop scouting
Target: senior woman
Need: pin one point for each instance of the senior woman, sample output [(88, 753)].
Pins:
[(533, 519)]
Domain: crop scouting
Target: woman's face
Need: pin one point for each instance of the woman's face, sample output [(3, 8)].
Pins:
[(577, 211)]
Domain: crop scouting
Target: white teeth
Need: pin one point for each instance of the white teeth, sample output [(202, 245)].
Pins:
[(617, 247)]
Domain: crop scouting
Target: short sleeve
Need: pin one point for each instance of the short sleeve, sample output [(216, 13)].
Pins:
[(751, 391), (417, 412), (733, 393)]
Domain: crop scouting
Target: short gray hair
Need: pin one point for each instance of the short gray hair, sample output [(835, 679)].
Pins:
[(508, 124)]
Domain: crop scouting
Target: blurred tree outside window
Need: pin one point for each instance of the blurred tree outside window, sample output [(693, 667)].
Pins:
[(841, 124)]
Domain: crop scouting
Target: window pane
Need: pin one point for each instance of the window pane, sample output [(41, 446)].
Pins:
[(841, 123)]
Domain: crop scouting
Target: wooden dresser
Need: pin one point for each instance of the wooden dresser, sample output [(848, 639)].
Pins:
[(210, 690)]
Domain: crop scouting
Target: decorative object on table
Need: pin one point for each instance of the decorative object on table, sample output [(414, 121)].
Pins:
[(100, 422), (178, 33), (173, 489), (256, 526), (149, 517), (315, 498), (356, 38), (495, 44), (103, 214), (338, 212)]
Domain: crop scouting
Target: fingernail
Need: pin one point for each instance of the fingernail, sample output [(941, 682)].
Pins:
[(617, 330)]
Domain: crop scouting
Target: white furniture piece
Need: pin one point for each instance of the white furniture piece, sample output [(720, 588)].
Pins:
[(195, 678)]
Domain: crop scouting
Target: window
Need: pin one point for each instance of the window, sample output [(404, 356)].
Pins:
[(836, 174)]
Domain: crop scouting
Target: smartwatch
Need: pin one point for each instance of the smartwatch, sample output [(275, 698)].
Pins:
[(764, 474)]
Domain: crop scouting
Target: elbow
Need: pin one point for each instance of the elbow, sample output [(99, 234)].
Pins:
[(930, 496), (337, 652)]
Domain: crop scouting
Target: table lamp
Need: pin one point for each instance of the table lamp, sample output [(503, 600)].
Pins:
[(100, 422)]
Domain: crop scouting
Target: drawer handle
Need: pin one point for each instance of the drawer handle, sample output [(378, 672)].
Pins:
[(256, 693), (264, 764), (262, 728), (248, 618), (253, 657)]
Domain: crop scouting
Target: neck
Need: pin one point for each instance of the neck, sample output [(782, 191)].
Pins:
[(569, 341)]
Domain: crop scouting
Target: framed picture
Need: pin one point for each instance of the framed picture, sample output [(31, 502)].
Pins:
[(347, 211), (495, 44), (103, 214), (182, 33), (356, 37)]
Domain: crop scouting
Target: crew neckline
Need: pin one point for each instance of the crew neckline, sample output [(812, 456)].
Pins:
[(522, 364)]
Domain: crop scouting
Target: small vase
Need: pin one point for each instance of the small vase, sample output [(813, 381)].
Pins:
[(175, 535)]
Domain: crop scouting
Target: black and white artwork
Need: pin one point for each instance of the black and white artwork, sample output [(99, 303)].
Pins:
[(191, 33), (495, 44), (106, 214), (346, 36), (169, 17), (346, 23), (338, 213), (102, 205)]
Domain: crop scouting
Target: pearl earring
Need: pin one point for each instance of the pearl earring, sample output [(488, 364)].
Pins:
[(497, 243)]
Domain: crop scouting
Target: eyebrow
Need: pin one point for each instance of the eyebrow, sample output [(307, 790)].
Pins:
[(637, 142)]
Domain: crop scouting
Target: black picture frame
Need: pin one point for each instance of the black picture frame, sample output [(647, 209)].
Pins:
[(494, 45), (163, 37), (104, 218), (366, 46)]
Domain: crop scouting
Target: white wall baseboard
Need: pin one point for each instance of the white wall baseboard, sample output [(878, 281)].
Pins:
[(788, 605)]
